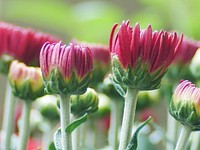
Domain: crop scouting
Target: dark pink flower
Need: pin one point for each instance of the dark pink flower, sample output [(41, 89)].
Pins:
[(131, 44), (71, 64), (23, 44), (141, 57), (187, 50), (101, 59)]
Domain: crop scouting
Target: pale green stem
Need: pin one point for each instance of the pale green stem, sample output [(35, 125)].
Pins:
[(83, 129), (65, 111), (195, 141), (8, 117), (114, 124), (172, 132), (76, 137), (183, 138), (128, 117), (47, 136), (25, 125)]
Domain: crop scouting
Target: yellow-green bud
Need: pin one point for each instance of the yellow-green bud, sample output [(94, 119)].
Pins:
[(85, 103), (26, 82)]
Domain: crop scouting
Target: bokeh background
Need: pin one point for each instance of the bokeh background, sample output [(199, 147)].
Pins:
[(92, 21)]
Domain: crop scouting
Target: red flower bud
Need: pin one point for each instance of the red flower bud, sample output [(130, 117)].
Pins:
[(140, 58), (66, 69)]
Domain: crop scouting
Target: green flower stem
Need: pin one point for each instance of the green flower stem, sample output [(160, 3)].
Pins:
[(25, 126), (47, 135), (195, 141), (65, 111), (8, 117), (128, 117), (172, 132), (183, 138), (76, 137), (114, 124)]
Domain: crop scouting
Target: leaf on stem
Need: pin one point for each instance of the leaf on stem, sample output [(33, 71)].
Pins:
[(76, 123), (133, 142)]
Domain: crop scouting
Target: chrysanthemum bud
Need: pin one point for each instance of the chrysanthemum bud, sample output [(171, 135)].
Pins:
[(47, 105), (185, 104), (26, 82), (66, 69), (85, 103), (195, 65), (147, 98), (101, 60), (140, 58), (103, 108)]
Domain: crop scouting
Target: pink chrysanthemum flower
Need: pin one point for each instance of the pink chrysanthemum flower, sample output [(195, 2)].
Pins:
[(185, 104), (187, 50), (21, 44), (66, 69), (101, 60), (140, 58)]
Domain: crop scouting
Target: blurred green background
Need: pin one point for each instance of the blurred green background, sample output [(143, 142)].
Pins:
[(92, 20)]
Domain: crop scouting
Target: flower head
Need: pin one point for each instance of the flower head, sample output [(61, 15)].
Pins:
[(185, 104), (85, 103), (101, 59), (195, 65), (26, 82), (47, 106), (66, 69), (187, 50), (140, 58), (21, 43)]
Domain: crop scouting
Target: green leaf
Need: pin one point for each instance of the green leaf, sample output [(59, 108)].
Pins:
[(57, 139), (76, 123), (133, 143), (51, 146)]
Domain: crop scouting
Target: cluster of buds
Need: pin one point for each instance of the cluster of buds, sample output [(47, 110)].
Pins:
[(66, 69), (140, 58), (26, 82), (184, 105)]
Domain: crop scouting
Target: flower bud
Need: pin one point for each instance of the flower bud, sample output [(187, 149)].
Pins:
[(101, 60), (26, 82), (85, 103), (104, 107), (66, 69), (185, 104), (147, 99), (140, 58), (195, 65), (5, 61), (47, 105)]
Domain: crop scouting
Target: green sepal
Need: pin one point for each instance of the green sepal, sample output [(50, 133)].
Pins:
[(56, 84), (132, 145), (118, 87), (25, 91), (72, 126), (137, 77), (5, 61), (58, 139), (185, 113)]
